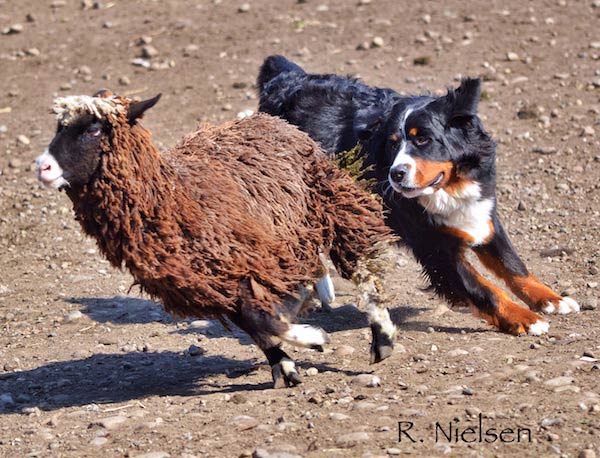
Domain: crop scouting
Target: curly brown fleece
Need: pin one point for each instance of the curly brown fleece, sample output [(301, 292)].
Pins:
[(234, 216)]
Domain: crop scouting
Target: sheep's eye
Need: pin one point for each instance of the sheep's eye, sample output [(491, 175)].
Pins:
[(422, 141), (94, 131)]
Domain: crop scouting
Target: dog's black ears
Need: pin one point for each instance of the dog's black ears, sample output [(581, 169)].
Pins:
[(462, 102), (137, 109)]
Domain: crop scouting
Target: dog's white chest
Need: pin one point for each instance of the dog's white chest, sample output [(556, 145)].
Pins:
[(464, 211)]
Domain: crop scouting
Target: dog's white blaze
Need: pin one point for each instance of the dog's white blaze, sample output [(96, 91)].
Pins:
[(305, 335), (404, 159), (463, 210), (325, 290), (538, 328), (49, 172)]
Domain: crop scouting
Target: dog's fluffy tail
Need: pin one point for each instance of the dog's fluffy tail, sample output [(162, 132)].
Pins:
[(274, 66)]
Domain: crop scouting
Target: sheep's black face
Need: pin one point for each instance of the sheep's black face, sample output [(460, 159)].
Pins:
[(74, 154)]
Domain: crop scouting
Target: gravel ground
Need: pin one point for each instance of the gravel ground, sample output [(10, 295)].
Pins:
[(89, 368)]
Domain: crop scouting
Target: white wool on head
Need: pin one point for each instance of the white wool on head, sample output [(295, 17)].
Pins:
[(70, 108)]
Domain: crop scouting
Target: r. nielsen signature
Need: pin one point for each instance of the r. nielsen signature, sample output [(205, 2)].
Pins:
[(454, 432)]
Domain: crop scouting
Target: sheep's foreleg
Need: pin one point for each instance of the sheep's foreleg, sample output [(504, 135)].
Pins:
[(283, 368), (371, 302), (324, 287)]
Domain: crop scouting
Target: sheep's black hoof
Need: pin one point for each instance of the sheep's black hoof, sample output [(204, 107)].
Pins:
[(382, 345), (325, 307), (285, 374)]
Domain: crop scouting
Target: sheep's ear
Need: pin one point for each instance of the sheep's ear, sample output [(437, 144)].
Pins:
[(137, 109)]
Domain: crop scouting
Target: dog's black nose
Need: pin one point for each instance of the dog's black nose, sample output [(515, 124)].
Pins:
[(398, 172)]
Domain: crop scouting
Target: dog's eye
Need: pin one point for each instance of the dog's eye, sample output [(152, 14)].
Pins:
[(422, 141)]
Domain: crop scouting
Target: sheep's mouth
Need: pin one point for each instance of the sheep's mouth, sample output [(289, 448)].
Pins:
[(408, 191)]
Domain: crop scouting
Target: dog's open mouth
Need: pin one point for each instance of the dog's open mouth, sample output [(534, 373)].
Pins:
[(408, 191)]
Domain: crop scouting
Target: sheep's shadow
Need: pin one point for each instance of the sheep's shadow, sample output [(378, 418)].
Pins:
[(122, 310), (115, 378)]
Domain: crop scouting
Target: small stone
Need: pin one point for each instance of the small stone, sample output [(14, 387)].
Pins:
[(590, 304), (368, 380), (73, 316), (587, 453), (512, 56), (545, 150), (344, 350), (559, 381), (111, 422), (239, 398), (351, 439), (98, 441), (521, 206), (23, 140), (472, 411), (312, 371), (195, 350), (153, 455), (588, 131), (457, 352), (423, 60), (377, 42), (245, 422), (468, 391), (124, 81), (338, 416), (363, 46), (244, 8), (393, 451), (200, 324), (15, 163), (13, 29), (149, 51)]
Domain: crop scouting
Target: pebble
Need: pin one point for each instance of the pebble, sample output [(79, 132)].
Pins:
[(13, 29), (351, 439), (15, 163), (338, 416), (312, 371), (200, 324), (244, 8), (512, 56), (559, 381), (393, 451), (149, 51), (590, 304), (111, 422), (124, 81), (3, 129), (195, 350), (23, 140), (545, 150), (377, 42), (73, 316), (244, 422), (368, 380), (588, 131), (457, 352), (344, 350), (6, 401), (153, 455), (98, 441), (587, 453)]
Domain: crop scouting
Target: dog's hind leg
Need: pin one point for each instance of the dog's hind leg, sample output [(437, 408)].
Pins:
[(499, 256)]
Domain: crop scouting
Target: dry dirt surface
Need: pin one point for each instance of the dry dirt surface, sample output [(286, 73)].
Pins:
[(89, 368)]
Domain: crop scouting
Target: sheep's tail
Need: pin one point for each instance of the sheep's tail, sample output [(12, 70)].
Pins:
[(274, 66)]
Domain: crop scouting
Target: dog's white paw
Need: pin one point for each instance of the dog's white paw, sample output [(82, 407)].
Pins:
[(538, 328), (564, 306)]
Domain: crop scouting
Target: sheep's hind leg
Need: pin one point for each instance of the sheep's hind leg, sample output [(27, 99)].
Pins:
[(383, 330)]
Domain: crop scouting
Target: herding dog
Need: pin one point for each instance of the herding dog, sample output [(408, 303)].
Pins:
[(434, 166)]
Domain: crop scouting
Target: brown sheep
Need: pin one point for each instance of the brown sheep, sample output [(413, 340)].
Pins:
[(230, 223)]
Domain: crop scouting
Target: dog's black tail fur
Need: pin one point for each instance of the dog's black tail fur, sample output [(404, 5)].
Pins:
[(274, 66)]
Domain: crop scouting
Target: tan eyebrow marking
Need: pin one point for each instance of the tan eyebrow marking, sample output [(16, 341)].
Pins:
[(413, 132), (394, 137)]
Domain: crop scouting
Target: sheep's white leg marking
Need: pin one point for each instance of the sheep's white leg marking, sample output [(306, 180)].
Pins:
[(325, 292), (564, 306), (304, 335)]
